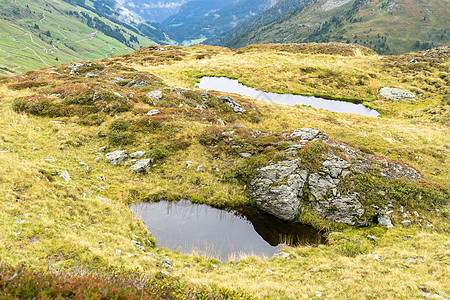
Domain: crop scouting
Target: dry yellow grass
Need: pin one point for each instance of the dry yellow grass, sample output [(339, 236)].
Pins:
[(84, 221)]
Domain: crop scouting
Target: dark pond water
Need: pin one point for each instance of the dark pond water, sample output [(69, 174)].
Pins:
[(189, 227), (223, 84)]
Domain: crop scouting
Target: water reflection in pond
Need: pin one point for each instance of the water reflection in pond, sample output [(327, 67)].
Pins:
[(189, 227), (223, 84)]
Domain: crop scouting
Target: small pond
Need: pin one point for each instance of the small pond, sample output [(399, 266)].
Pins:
[(224, 234), (223, 84)]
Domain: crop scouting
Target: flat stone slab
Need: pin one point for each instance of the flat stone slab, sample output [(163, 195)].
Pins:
[(396, 94)]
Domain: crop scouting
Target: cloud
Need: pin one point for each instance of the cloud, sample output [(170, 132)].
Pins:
[(126, 15), (168, 5)]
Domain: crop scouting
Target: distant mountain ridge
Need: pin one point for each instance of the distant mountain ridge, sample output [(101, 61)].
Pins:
[(386, 26), (202, 19)]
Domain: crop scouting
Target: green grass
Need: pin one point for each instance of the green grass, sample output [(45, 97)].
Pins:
[(65, 31)]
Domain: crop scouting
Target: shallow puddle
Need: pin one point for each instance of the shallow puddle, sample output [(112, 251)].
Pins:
[(223, 84), (188, 227)]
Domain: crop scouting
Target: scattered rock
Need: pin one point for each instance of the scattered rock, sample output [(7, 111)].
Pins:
[(269, 271), (410, 260), (188, 164), (115, 79), (282, 254), (309, 134), (137, 83), (319, 294), (165, 273), (118, 252), (371, 237), (396, 94), (406, 223), (236, 106), (116, 157), (245, 155), (153, 112), (137, 154), (157, 94), (377, 257), (200, 168), (385, 220), (142, 165), (65, 175), (167, 264), (91, 75)]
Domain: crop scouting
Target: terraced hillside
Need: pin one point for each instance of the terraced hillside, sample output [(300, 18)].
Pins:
[(36, 34)]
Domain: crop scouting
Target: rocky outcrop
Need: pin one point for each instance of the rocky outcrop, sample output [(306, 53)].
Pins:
[(396, 94), (282, 188), (236, 106), (279, 189)]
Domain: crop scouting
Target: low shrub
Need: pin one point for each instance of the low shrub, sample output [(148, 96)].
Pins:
[(27, 84)]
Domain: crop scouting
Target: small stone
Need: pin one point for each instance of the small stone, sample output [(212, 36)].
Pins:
[(282, 254), (188, 164), (269, 271), (406, 223), (142, 165), (319, 294), (65, 175), (91, 75), (116, 157), (137, 154), (429, 224), (378, 258), (200, 168), (19, 221), (58, 122), (118, 252), (385, 220), (203, 270), (166, 264), (410, 260), (245, 155), (165, 273), (49, 159), (157, 94), (153, 112), (150, 254), (371, 237)]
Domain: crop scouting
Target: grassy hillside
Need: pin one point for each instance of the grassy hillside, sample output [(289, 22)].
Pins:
[(385, 26), (36, 34), (52, 121)]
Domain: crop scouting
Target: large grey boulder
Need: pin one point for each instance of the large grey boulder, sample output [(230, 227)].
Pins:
[(142, 165), (396, 94), (279, 189), (342, 209), (116, 157)]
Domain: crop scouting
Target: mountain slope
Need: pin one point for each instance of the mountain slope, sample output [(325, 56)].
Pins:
[(48, 32), (387, 26), (266, 17), (201, 19)]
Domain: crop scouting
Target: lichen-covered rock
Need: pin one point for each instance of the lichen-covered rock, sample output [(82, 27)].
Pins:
[(116, 157), (236, 106), (342, 209), (309, 134), (137, 83), (282, 188), (142, 165), (157, 94), (279, 189), (396, 94)]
